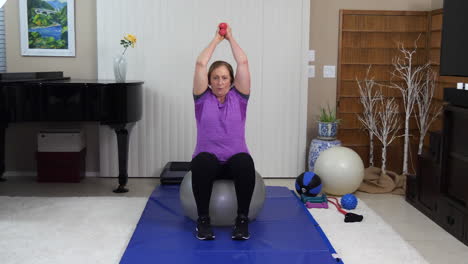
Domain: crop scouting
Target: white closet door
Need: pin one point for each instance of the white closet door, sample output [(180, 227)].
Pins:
[(171, 34)]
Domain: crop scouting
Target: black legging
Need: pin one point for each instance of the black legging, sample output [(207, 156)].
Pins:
[(206, 168)]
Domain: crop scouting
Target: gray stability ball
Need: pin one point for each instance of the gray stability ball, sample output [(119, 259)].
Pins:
[(223, 202)]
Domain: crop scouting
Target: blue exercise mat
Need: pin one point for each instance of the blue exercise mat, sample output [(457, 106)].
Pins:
[(284, 232)]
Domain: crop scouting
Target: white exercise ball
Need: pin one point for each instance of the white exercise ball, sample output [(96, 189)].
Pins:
[(340, 169), (223, 200)]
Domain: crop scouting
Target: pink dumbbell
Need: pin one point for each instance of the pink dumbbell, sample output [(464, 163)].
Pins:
[(316, 205)]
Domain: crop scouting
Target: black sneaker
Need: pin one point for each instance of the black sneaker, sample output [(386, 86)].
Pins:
[(241, 229), (204, 231)]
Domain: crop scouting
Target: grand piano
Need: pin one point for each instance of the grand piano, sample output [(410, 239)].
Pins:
[(51, 97)]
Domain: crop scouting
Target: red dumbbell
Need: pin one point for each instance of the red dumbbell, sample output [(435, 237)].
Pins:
[(222, 25), (222, 29)]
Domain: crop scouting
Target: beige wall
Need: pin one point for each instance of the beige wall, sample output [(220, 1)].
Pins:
[(82, 66), (323, 39), (436, 4), (324, 23)]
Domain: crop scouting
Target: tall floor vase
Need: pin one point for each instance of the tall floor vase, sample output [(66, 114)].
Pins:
[(317, 146)]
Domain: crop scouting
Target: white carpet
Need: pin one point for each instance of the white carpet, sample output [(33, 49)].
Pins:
[(66, 230), (369, 241), (36, 230)]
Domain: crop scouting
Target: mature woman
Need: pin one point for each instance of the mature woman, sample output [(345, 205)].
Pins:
[(221, 152)]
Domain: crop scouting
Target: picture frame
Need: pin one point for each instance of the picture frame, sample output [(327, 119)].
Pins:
[(47, 27)]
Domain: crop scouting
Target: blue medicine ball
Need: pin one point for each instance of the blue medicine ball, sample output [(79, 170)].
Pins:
[(309, 184), (349, 201)]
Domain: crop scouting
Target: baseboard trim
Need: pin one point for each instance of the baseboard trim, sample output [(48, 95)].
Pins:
[(34, 174)]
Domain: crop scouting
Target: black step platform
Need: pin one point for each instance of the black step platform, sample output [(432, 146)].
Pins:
[(174, 172)]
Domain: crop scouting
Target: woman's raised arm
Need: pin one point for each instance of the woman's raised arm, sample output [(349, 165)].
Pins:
[(242, 78), (200, 79)]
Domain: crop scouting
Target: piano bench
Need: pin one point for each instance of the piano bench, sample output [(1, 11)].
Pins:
[(61, 166)]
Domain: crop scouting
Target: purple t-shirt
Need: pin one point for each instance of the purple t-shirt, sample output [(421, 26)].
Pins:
[(221, 126)]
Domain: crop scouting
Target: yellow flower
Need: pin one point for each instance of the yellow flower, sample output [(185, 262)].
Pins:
[(131, 38)]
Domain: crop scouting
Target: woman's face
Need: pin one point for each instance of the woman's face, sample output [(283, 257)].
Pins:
[(220, 81)]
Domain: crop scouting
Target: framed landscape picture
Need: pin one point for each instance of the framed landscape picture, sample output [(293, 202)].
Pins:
[(47, 27)]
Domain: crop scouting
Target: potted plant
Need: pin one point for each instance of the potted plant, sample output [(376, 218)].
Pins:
[(327, 124), (327, 130)]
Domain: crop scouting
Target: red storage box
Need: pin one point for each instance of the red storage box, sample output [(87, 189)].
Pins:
[(61, 166)]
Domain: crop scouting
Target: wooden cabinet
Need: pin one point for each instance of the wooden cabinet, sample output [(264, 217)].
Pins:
[(466, 230), (455, 153), (439, 189), (428, 185), (450, 217)]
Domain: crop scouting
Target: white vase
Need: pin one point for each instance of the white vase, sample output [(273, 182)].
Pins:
[(120, 68)]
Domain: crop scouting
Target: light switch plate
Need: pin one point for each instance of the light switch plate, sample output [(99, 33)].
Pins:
[(311, 71), (311, 55), (329, 71)]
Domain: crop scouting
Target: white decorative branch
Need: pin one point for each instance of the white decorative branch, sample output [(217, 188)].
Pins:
[(425, 107), (412, 77), (368, 99), (386, 127)]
